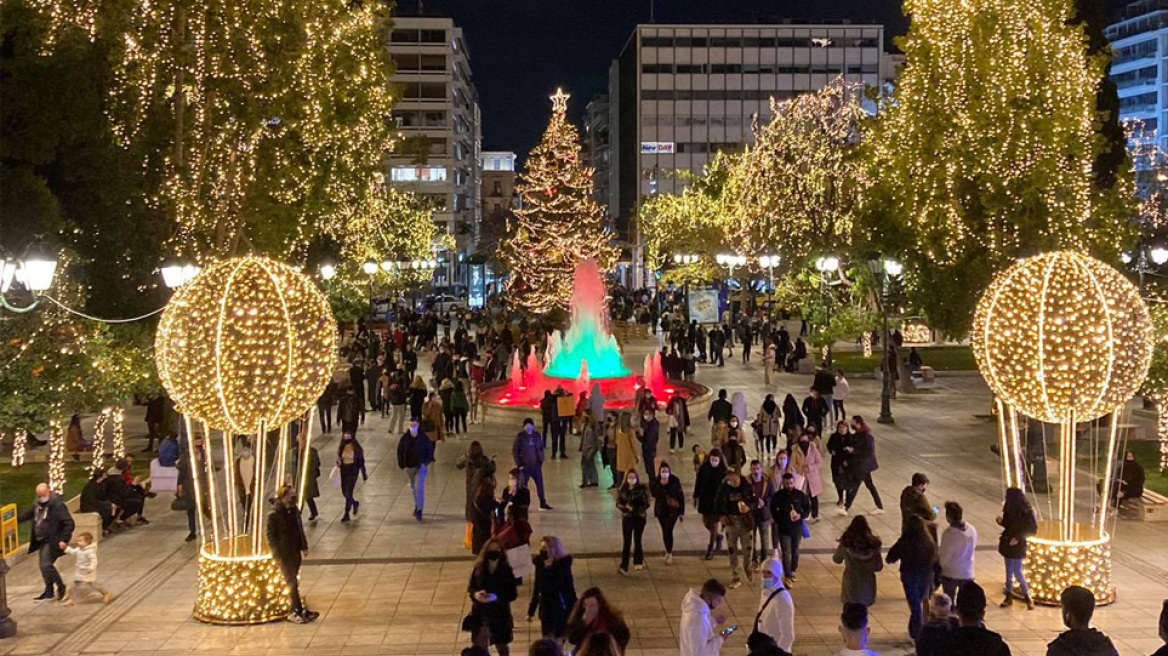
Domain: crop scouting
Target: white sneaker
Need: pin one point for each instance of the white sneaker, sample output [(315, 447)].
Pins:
[(668, 559), (878, 511), (639, 568), (841, 511)]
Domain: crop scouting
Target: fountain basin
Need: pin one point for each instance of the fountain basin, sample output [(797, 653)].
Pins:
[(516, 404)]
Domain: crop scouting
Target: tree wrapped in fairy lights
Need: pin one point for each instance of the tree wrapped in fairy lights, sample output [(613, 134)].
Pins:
[(559, 222), (986, 149)]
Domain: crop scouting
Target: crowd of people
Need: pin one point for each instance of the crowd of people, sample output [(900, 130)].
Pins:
[(757, 497)]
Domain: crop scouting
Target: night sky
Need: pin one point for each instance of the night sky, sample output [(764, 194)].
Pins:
[(521, 50)]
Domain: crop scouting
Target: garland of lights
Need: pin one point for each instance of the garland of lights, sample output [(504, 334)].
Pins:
[(1064, 339), (99, 442), (559, 222), (244, 348), (19, 444), (56, 458)]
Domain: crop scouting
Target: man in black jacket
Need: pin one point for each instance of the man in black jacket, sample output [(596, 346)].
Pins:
[(971, 638), (788, 508), (52, 529), (859, 464), (285, 533), (95, 500), (415, 452), (1080, 639), (350, 411), (720, 409)]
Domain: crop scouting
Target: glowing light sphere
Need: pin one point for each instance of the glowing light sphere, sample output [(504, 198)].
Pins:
[(249, 341), (1062, 337)]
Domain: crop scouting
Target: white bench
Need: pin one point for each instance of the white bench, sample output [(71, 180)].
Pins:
[(162, 479), (1151, 507), (928, 375)]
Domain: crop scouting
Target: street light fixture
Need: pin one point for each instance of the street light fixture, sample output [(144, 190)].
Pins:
[(685, 259), (177, 272), (34, 270), (882, 270), (827, 264), (328, 271), (369, 267), (1159, 255), (7, 270)]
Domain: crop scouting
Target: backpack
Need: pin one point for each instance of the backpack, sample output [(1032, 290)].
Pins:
[(168, 452)]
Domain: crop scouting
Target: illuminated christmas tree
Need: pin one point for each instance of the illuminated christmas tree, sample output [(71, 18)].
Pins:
[(559, 222), (986, 149)]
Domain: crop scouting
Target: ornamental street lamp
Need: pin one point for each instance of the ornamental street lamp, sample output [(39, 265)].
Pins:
[(34, 270), (177, 272), (328, 271), (827, 265), (882, 270), (1157, 254), (769, 262), (679, 258)]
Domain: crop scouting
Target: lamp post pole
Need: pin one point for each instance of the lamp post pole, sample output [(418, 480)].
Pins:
[(827, 265), (882, 270)]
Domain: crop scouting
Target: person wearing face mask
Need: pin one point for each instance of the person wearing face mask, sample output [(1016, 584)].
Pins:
[(594, 615), (528, 453), (516, 492), (768, 420), (776, 610), (626, 448), (52, 531), (860, 462), (351, 462), (285, 535), (788, 508), (835, 446), (806, 461), (633, 502), (492, 589), (699, 621), (735, 503), (553, 594), (706, 484), (415, 452), (668, 505), (763, 489), (733, 451), (649, 433)]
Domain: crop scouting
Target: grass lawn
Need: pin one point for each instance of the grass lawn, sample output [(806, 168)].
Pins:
[(1148, 454), (19, 485), (940, 358)]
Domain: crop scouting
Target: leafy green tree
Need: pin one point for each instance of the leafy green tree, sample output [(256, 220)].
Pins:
[(986, 150)]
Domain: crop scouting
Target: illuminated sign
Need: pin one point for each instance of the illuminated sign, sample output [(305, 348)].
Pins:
[(657, 148)]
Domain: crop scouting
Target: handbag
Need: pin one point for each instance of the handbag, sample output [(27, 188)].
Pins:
[(182, 503), (520, 560), (335, 476)]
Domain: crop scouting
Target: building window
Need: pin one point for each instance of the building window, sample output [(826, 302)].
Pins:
[(433, 36), (418, 174)]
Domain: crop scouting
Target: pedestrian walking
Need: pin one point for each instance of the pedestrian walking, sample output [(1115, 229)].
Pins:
[(492, 589), (1018, 523), (776, 609), (351, 463), (735, 503), (478, 466), (789, 507), (84, 552), (155, 417), (417, 396), (793, 421), (842, 389), (632, 500), (285, 534), (415, 452), (592, 615), (816, 410), (553, 593), (860, 462), (768, 422), (52, 530), (769, 357), (398, 399), (433, 418), (349, 411), (589, 447), (706, 484), (627, 454), (668, 505), (914, 502), (763, 488), (956, 549), (824, 384), (483, 513), (859, 552), (835, 449), (185, 488), (460, 404), (806, 462), (917, 554), (649, 433), (528, 453), (699, 620), (311, 473)]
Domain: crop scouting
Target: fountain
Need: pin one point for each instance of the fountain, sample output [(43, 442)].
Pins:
[(585, 354)]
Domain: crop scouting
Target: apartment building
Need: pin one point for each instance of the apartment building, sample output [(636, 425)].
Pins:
[(1139, 46)]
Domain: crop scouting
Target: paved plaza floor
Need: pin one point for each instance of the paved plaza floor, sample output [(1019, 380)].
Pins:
[(385, 584)]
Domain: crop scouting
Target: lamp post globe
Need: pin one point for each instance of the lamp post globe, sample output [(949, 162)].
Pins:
[(369, 267), (37, 267)]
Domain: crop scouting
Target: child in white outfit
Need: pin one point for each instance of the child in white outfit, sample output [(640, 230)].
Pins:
[(85, 569)]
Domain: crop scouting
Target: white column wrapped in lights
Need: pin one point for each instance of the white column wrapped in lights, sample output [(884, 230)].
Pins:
[(243, 349), (1063, 338)]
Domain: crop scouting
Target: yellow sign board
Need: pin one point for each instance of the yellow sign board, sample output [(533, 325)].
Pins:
[(9, 541)]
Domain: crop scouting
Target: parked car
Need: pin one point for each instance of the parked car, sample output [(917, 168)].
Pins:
[(443, 303)]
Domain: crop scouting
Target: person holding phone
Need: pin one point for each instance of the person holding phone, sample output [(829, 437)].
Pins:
[(699, 634), (492, 589)]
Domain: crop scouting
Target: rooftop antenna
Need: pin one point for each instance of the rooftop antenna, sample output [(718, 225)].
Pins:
[(652, 11)]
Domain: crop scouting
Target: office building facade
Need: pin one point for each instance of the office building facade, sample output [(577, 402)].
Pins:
[(678, 94), (1139, 68), (438, 116)]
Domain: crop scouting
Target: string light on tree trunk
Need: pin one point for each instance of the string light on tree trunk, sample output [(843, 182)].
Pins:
[(19, 443), (56, 458), (98, 440)]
